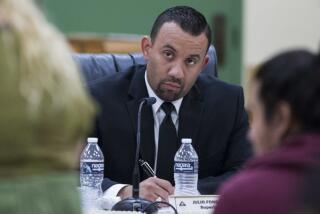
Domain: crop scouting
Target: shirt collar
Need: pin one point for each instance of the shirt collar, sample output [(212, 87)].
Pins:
[(156, 106)]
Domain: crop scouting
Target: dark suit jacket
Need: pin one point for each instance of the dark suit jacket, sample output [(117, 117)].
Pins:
[(212, 114)]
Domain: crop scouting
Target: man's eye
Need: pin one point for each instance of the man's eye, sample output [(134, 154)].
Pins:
[(191, 61), (168, 54)]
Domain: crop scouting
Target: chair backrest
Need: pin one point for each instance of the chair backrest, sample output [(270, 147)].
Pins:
[(95, 66)]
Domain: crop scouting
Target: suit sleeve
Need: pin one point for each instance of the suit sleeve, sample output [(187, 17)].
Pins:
[(106, 183), (238, 150)]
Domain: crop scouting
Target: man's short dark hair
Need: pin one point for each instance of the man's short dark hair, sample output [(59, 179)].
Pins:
[(189, 19), (292, 77)]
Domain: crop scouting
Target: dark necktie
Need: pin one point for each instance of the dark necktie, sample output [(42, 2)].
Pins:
[(167, 145)]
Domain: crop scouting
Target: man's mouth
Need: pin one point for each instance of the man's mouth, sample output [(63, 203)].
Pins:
[(172, 86)]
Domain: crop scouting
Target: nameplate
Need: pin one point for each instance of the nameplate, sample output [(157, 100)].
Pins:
[(201, 204)]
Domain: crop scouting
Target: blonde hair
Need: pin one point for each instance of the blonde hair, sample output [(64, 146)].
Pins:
[(40, 86)]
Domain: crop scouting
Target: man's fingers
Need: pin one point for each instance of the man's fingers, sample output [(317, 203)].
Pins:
[(153, 187), (165, 185)]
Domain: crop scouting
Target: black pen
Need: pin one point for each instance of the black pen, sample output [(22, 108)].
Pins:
[(146, 168)]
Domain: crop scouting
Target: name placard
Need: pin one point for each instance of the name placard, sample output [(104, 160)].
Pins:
[(200, 204)]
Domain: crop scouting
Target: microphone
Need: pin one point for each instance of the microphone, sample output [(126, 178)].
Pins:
[(135, 203), (149, 101)]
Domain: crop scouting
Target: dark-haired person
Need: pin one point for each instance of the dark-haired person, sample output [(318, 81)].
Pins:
[(285, 135), (205, 109)]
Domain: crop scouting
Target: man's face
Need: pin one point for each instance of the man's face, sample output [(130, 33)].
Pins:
[(175, 60)]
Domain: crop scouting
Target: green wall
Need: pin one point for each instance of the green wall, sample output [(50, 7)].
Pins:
[(129, 16), (231, 68)]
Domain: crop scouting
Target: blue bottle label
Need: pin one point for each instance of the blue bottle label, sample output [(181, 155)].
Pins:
[(184, 167), (91, 167)]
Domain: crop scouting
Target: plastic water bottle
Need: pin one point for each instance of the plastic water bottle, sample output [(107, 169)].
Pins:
[(91, 173), (186, 169)]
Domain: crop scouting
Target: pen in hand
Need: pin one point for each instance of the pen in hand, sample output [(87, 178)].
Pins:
[(147, 168)]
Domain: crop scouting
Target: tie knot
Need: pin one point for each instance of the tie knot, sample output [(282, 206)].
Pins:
[(167, 107)]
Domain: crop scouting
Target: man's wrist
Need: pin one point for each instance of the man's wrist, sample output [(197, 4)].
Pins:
[(113, 190), (125, 192)]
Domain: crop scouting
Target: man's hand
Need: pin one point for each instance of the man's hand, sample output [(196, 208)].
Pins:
[(151, 189)]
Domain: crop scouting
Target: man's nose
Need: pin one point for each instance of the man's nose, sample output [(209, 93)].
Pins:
[(177, 71)]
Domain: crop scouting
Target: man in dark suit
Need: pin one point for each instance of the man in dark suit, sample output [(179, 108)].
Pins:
[(205, 109)]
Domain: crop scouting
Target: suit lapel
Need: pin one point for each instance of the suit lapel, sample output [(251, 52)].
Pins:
[(190, 115), (138, 90)]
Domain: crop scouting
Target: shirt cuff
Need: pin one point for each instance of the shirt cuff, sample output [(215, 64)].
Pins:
[(113, 190), (110, 198)]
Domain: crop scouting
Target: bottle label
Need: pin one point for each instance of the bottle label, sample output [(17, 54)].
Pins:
[(91, 167), (184, 167)]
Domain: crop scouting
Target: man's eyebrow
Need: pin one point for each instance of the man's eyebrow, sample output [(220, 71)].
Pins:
[(195, 56), (170, 47)]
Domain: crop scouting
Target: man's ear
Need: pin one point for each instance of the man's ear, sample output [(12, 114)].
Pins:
[(205, 61), (282, 120), (145, 46)]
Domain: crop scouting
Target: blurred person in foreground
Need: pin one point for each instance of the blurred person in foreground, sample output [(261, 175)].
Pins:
[(285, 134), (44, 112)]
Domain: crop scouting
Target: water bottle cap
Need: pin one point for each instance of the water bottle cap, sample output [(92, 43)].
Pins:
[(186, 140), (92, 140)]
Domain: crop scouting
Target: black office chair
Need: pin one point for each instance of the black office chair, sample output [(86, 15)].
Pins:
[(95, 66)]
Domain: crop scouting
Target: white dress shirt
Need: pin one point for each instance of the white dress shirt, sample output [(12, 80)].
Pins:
[(158, 115)]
